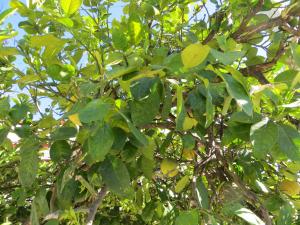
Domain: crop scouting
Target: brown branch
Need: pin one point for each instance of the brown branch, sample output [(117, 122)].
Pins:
[(254, 29), (92, 210), (95, 205), (55, 215), (248, 194), (292, 31), (219, 18), (247, 18), (258, 70)]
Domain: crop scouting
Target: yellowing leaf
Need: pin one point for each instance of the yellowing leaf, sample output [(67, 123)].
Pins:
[(289, 187), (194, 54), (189, 123), (70, 6), (75, 119), (188, 154), (7, 51), (181, 184), (169, 167)]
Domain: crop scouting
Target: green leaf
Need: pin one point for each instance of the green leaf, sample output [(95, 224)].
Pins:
[(236, 90), (210, 109), (120, 71), (115, 175), (52, 44), (148, 211), (263, 135), (95, 110), (28, 167), (289, 142), (65, 21), (141, 88), (289, 77), (135, 30), (100, 143), (188, 141), (226, 58), (119, 39), (4, 107), (249, 216), (28, 79), (52, 222), (242, 117), (63, 133), (3, 134), (147, 166), (296, 53), (194, 54), (286, 214), (145, 110), (8, 51), (167, 103), (70, 6), (60, 150), (137, 133), (202, 193), (19, 112), (187, 218), (39, 207), (180, 112), (6, 13), (61, 72), (181, 184)]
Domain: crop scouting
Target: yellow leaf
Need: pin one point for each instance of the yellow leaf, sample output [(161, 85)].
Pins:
[(289, 187), (74, 98), (75, 119), (181, 184), (70, 6), (188, 154), (189, 123), (169, 167), (194, 54)]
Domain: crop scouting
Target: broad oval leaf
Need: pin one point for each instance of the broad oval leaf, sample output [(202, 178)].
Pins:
[(70, 6), (194, 54), (100, 143), (60, 150), (115, 175), (95, 110)]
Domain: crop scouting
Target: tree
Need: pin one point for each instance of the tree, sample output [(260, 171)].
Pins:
[(179, 112)]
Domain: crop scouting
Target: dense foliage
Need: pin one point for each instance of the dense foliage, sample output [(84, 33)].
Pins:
[(177, 112)]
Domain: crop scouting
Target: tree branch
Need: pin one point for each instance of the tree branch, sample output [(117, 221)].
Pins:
[(247, 18), (92, 210), (258, 70), (248, 194), (219, 18), (95, 205), (245, 34)]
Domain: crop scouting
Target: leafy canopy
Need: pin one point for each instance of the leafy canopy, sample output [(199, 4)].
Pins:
[(171, 112)]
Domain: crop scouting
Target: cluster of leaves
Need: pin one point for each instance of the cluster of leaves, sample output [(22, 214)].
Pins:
[(180, 112)]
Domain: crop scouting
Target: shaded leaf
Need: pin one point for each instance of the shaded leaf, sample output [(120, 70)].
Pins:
[(60, 150), (115, 175), (28, 167)]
